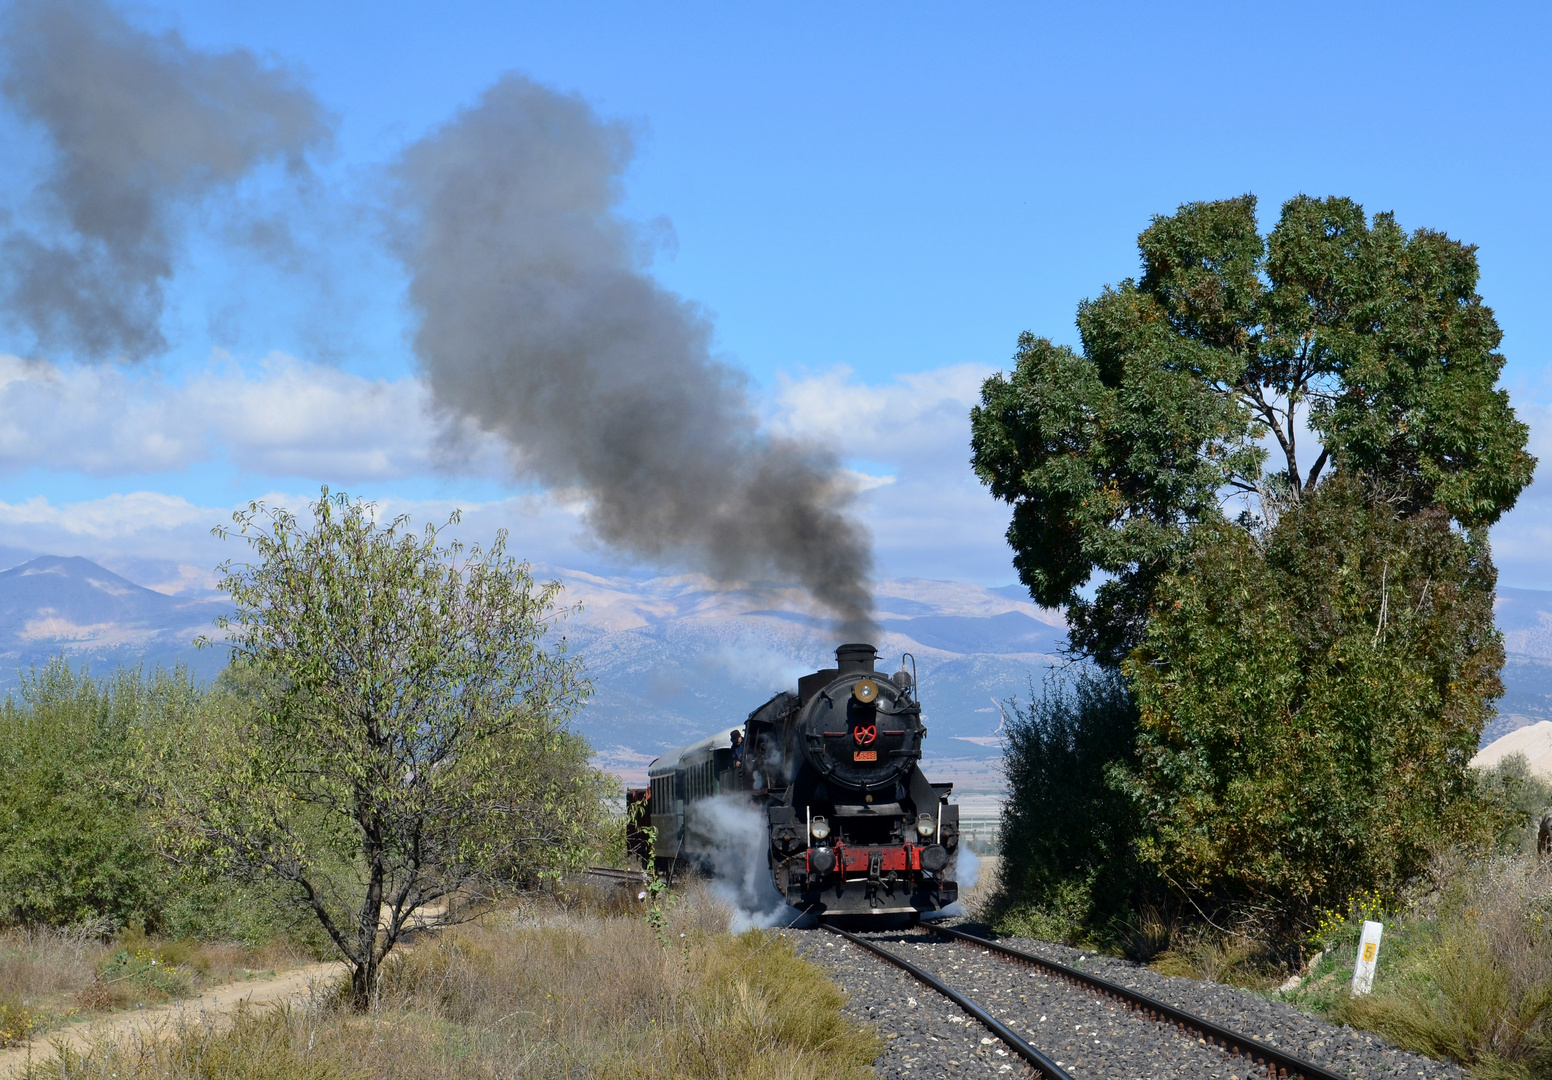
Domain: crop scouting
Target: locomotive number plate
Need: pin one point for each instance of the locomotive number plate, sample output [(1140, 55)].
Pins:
[(864, 755)]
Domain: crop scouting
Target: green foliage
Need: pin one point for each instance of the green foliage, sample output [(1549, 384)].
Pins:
[(1465, 967), (1306, 632), (74, 845), (198, 903), (1308, 701), (1226, 344), (395, 747), (1103, 457), (1520, 797), (1069, 825), (147, 970), (78, 844)]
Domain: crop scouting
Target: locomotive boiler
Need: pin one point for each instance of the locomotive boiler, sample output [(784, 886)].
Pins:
[(853, 827)]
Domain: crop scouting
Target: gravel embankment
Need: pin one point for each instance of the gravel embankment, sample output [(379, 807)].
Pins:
[(926, 1035)]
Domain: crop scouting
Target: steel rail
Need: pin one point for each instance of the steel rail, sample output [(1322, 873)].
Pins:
[(1048, 1068), (1277, 1063), (614, 873)]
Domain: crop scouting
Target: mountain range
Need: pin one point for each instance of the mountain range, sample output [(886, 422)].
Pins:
[(671, 658), (52, 605)]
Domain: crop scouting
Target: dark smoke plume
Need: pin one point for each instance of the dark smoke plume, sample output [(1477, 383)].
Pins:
[(540, 323), (142, 128)]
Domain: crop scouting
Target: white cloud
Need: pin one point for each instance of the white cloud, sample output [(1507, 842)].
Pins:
[(929, 514), (921, 421), (1522, 539), (907, 442), (165, 541), (936, 520), (116, 517), (285, 417)]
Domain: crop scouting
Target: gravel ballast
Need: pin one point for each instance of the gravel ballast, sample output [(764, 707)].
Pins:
[(926, 1035)]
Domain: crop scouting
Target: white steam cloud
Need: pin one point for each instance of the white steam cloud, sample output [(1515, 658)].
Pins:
[(738, 835)]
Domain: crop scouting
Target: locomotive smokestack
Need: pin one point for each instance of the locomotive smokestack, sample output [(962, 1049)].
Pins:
[(855, 659), (540, 324)]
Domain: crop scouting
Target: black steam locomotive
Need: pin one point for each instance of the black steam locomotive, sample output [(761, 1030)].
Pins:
[(853, 826)]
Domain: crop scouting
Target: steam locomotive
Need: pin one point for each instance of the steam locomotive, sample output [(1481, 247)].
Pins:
[(853, 827)]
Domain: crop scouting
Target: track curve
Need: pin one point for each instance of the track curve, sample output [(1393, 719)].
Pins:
[(1278, 1063), (1043, 1064)]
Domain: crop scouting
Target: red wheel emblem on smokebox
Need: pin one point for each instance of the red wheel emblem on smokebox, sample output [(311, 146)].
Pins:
[(864, 733)]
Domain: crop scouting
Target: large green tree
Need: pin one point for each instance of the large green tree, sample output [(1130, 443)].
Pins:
[(400, 745), (1308, 698), (1199, 384), (1279, 456)]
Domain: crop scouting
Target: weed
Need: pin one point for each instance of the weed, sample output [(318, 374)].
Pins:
[(1465, 967), (543, 991)]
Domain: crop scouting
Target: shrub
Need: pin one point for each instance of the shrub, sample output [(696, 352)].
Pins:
[(1069, 826), (1520, 797), (73, 844), (1465, 970), (77, 844)]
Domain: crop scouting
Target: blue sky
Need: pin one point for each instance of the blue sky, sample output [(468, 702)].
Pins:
[(871, 201)]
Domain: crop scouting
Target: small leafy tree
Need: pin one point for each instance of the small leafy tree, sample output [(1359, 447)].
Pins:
[(74, 842), (399, 749)]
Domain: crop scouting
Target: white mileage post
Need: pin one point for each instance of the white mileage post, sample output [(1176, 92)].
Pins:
[(1368, 955)]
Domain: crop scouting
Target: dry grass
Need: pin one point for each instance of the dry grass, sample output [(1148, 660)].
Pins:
[(41, 971), (48, 977), (1474, 983), (1230, 959), (542, 992)]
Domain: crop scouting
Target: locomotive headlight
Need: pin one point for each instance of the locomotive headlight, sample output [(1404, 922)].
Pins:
[(925, 825), (819, 828)]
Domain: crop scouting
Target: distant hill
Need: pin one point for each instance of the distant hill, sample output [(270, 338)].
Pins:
[(52, 605), (672, 657), (1525, 618)]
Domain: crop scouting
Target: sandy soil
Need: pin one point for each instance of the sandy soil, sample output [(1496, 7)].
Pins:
[(294, 985)]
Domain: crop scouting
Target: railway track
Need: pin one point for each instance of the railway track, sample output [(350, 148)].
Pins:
[(1239, 1049), (614, 875), (1044, 1065)]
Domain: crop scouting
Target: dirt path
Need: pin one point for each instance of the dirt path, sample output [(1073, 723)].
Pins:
[(293, 985)]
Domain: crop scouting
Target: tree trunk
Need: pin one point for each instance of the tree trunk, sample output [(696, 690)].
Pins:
[(363, 977)]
